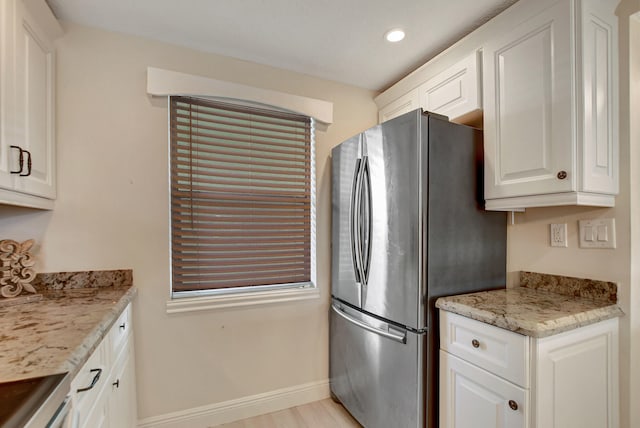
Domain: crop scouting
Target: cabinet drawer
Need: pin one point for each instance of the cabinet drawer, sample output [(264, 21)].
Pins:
[(494, 349), (120, 331)]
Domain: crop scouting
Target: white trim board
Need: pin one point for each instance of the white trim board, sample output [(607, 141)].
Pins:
[(165, 82), (240, 408), (234, 300)]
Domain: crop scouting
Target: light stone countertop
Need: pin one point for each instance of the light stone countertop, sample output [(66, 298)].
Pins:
[(58, 333), (531, 312)]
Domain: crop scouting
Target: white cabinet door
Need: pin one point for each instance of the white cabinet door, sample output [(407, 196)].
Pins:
[(104, 390), (122, 400), (8, 134), (35, 106), (528, 88), (576, 378), (456, 92), (471, 397), (599, 133), (402, 105), (98, 417)]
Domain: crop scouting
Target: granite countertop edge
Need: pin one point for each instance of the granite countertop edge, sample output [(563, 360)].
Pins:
[(81, 354), (536, 328)]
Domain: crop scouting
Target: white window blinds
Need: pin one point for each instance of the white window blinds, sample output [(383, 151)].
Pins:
[(241, 194)]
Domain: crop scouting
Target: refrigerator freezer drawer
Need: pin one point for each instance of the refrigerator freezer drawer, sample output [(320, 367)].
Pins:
[(376, 369)]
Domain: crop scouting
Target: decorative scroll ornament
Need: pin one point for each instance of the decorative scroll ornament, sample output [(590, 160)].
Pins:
[(16, 267)]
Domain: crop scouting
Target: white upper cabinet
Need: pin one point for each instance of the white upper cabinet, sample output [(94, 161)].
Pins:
[(455, 92), (550, 120), (27, 133), (402, 105), (542, 76)]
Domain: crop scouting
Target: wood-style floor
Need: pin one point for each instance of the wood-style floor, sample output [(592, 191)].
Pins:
[(319, 414)]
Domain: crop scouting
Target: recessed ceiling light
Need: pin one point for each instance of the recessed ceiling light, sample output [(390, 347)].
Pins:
[(394, 35)]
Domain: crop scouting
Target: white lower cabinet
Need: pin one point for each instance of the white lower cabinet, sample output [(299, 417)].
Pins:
[(479, 397), (104, 391), (568, 380), (122, 410)]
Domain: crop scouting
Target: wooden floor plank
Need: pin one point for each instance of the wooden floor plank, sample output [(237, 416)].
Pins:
[(289, 418), (319, 414), (339, 413)]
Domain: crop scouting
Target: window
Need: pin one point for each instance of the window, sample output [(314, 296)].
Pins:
[(242, 197)]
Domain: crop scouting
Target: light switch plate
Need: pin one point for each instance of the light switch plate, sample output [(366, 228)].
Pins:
[(558, 235), (600, 233)]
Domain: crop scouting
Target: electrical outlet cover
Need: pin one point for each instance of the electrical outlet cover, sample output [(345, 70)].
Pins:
[(558, 235)]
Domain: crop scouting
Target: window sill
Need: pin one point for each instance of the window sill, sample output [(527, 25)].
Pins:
[(226, 301)]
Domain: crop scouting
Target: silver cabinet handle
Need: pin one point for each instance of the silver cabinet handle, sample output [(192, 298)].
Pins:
[(95, 380), (401, 338)]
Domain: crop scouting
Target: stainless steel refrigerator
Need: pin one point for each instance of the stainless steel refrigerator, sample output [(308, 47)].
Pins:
[(408, 226)]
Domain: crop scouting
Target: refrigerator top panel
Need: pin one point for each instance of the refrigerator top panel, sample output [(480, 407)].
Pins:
[(377, 224)]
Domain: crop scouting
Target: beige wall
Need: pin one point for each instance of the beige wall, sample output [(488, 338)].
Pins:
[(112, 212)]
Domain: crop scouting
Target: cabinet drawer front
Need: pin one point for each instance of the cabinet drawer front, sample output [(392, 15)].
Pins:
[(89, 383), (471, 397), (120, 331), (497, 350)]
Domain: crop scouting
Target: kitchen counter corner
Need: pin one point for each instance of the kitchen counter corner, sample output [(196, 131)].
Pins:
[(58, 333), (531, 312)]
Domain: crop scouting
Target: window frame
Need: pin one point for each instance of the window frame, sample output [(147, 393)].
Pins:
[(198, 300)]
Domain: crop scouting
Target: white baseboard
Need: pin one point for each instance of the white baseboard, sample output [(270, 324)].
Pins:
[(241, 408)]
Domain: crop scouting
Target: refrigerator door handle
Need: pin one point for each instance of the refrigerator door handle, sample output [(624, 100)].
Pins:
[(356, 238), (353, 220), (400, 338), (366, 220)]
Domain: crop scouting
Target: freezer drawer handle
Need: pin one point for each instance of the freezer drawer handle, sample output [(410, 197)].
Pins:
[(401, 338)]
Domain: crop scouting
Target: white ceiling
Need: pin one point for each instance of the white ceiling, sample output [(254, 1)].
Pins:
[(339, 40)]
